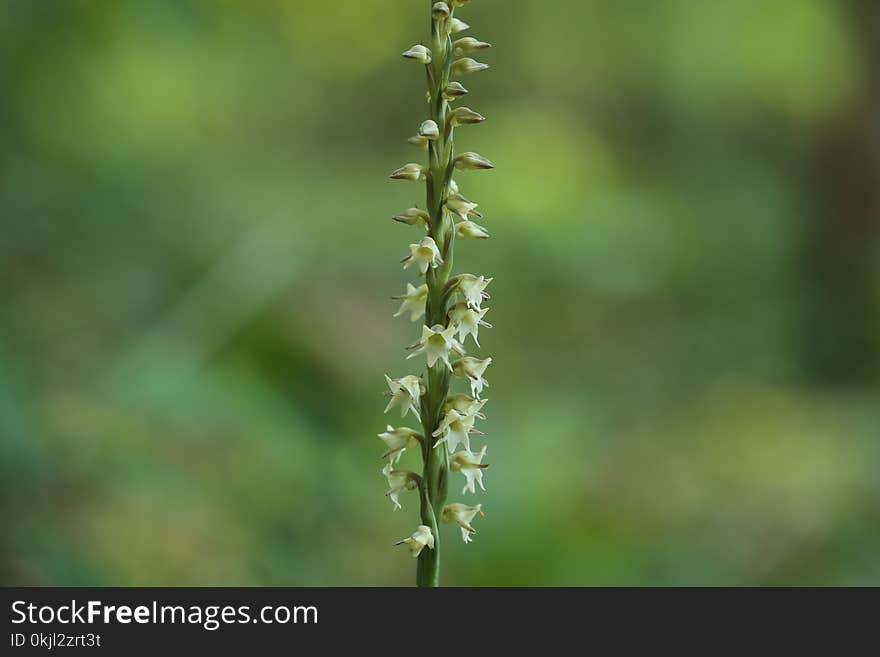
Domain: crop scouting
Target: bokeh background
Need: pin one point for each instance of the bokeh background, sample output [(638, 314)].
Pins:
[(197, 255)]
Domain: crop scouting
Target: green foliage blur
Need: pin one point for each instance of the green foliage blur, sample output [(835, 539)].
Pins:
[(197, 258)]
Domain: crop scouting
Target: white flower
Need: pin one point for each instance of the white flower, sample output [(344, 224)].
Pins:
[(399, 481), (454, 430), (468, 321), (413, 217), (458, 204), (471, 160), (410, 171), (474, 289), (467, 65), (470, 466), (421, 537), (456, 26), (413, 301), (398, 441), (436, 343), (454, 90), (418, 141), (470, 230), (429, 129), (466, 405), (405, 392), (466, 116), (467, 45), (453, 187), (461, 515), (473, 369), (418, 53), (425, 254)]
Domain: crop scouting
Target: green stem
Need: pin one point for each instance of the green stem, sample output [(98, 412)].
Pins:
[(436, 461)]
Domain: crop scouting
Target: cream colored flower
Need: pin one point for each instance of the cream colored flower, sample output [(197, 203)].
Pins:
[(466, 116), (467, 65), (474, 289), (468, 321), (413, 217), (465, 404), (413, 302), (421, 537), (398, 441), (467, 45), (458, 204), (454, 430), (429, 130), (471, 160), (398, 482), (465, 230), (406, 393), (419, 54), (425, 254), (473, 369), (470, 466), (456, 26), (439, 11), (410, 171), (453, 91), (462, 515), (437, 342)]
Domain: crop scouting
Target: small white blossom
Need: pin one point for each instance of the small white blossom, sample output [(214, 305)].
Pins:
[(467, 45), (405, 392), (453, 187), (439, 11), (462, 515), (398, 441), (419, 54), (466, 405), (471, 466), (413, 301), (471, 160), (425, 254), (470, 230), (456, 26), (468, 321), (410, 171), (473, 369), (454, 430), (398, 482), (458, 204), (421, 537), (454, 90), (413, 217), (467, 65), (418, 141), (474, 289), (436, 343), (466, 116)]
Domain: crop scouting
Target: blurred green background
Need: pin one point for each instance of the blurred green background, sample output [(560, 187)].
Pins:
[(197, 255)]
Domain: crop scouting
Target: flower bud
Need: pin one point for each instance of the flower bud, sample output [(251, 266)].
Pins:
[(454, 90), (418, 141), (466, 116), (470, 230), (429, 130), (411, 171), (440, 11), (471, 160), (458, 204), (456, 26), (467, 65), (453, 187), (467, 45), (413, 217), (418, 53)]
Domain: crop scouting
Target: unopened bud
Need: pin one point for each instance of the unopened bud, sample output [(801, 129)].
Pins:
[(418, 53), (468, 44), (411, 171), (439, 11), (470, 230), (471, 160), (429, 130), (456, 26), (413, 217), (466, 116), (418, 141), (454, 90), (467, 65)]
